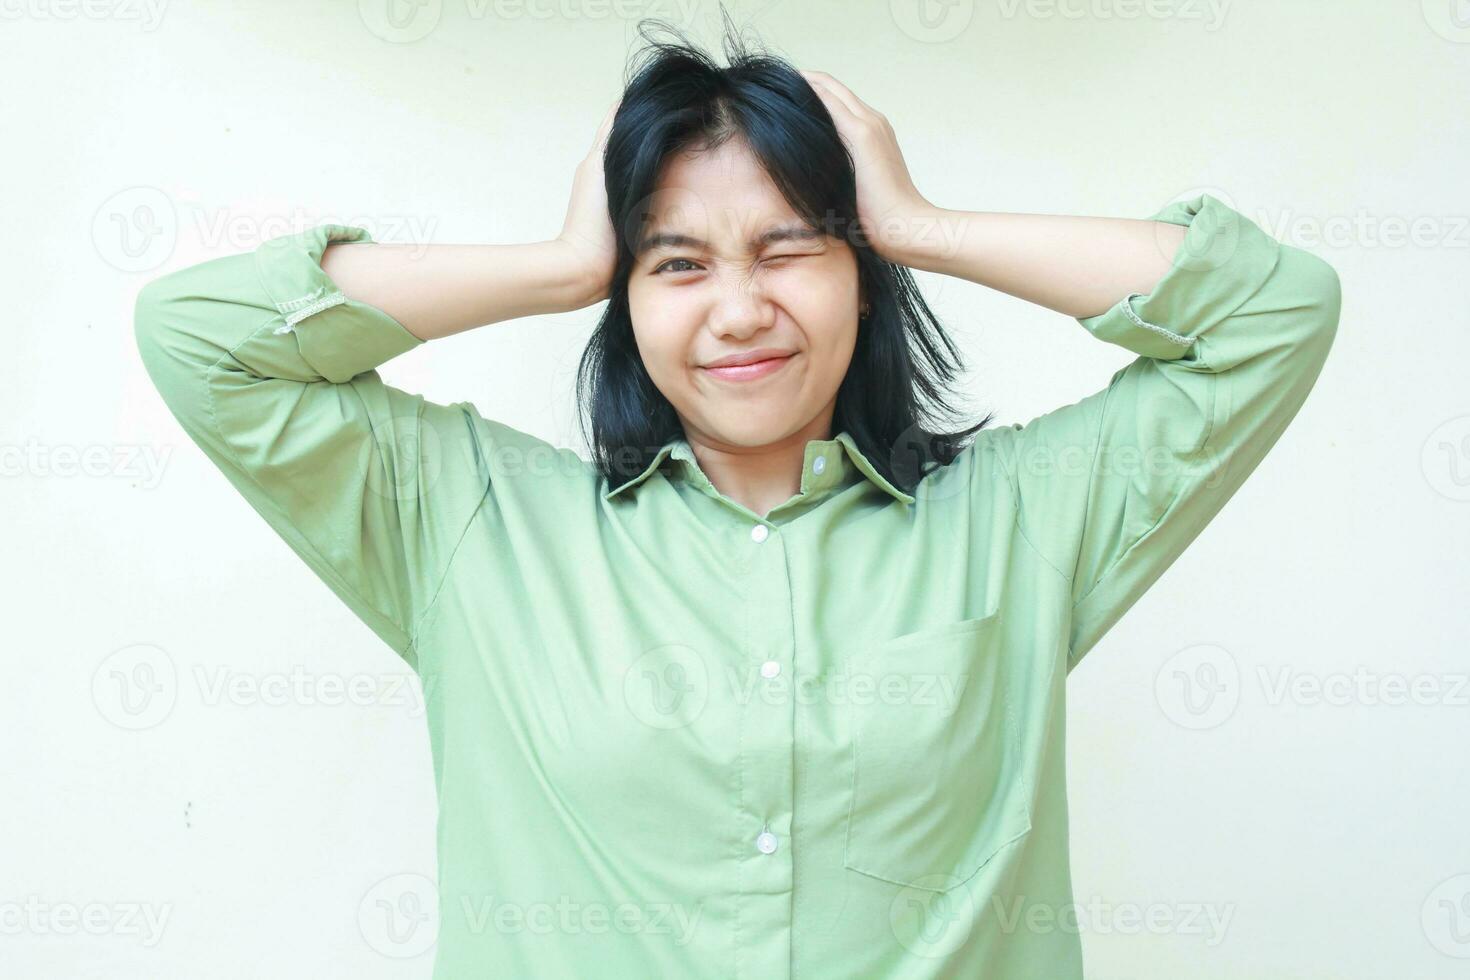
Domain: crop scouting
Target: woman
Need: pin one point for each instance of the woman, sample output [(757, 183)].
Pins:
[(774, 686)]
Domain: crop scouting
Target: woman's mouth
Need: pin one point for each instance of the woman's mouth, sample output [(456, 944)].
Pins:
[(751, 371)]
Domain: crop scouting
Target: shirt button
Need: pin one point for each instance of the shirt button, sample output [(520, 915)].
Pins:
[(759, 532), (819, 464), (766, 843), (770, 669)]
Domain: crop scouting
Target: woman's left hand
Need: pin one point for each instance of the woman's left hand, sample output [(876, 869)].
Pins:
[(892, 212)]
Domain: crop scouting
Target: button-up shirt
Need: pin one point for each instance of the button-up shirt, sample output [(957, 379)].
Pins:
[(673, 737)]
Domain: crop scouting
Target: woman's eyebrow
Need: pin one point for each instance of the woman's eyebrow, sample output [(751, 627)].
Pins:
[(781, 233)]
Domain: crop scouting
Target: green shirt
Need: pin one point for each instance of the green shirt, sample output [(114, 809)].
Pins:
[(674, 738)]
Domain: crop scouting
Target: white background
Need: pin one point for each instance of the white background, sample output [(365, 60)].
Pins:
[(1238, 747)]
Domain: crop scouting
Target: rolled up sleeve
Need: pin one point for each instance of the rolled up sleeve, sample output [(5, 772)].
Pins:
[(1111, 489), (270, 370)]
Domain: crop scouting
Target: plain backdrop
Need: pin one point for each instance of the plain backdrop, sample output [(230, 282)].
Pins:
[(210, 769)]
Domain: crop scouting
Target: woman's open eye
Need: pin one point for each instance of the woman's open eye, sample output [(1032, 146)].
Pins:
[(669, 262)]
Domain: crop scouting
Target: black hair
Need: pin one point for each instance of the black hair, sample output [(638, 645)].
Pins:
[(903, 364)]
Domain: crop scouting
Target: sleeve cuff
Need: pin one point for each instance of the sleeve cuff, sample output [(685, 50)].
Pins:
[(1223, 259), (338, 337)]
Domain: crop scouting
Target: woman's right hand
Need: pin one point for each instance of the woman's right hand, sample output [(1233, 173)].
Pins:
[(587, 233)]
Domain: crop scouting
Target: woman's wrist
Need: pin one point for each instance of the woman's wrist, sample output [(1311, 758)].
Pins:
[(920, 236), (587, 272)]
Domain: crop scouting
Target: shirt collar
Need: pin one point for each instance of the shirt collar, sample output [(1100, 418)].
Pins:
[(838, 456)]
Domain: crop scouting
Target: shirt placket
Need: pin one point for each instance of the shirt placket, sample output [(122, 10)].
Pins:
[(767, 666), (766, 778)]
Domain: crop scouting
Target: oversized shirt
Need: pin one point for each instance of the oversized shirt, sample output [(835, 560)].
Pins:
[(672, 737)]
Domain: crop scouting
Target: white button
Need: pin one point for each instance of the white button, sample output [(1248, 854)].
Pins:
[(759, 532), (770, 669), (819, 464), (766, 842)]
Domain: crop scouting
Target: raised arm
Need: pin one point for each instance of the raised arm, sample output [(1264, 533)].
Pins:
[(438, 290), (267, 360), (1230, 340), (1231, 329)]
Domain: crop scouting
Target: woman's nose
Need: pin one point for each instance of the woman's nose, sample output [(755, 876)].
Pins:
[(741, 309)]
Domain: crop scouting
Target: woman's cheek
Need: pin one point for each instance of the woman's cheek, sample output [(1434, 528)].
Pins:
[(664, 345)]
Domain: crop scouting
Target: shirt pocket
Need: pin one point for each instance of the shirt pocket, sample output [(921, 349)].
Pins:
[(937, 788)]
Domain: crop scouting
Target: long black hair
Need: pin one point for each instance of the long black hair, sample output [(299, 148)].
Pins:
[(904, 362)]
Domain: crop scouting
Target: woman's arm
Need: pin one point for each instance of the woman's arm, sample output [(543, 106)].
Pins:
[(1075, 265), (268, 361), (1071, 264), (1230, 327), (438, 290)]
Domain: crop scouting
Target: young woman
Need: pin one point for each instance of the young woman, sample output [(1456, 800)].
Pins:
[(775, 685)]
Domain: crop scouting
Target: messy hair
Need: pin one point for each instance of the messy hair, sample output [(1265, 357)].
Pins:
[(904, 364)]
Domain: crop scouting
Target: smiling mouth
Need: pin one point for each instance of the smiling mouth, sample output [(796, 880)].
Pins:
[(751, 371)]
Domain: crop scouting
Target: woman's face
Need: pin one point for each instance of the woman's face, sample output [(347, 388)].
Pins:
[(705, 285)]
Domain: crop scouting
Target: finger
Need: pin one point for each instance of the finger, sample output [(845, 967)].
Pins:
[(841, 114), (605, 127), (841, 92)]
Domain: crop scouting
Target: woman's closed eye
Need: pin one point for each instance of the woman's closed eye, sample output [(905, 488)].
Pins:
[(770, 258)]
